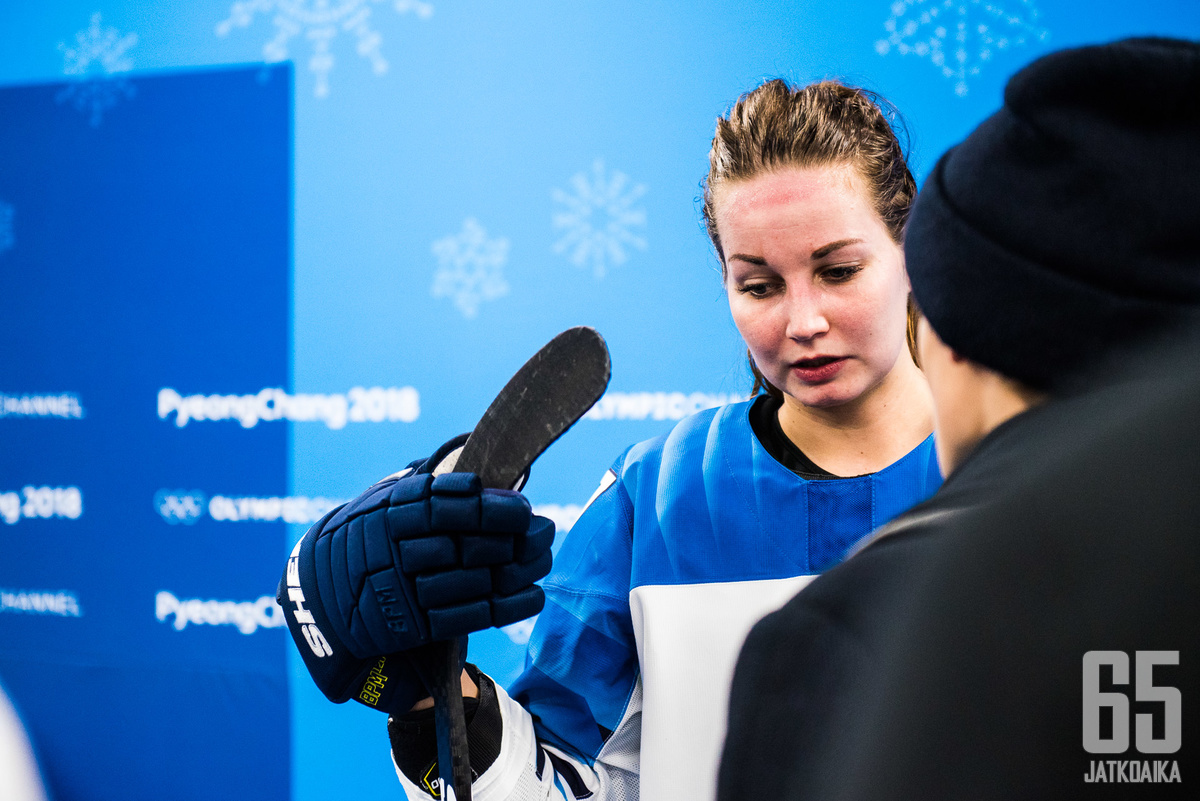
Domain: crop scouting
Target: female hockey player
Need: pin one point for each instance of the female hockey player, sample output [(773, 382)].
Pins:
[(691, 537), (1055, 253)]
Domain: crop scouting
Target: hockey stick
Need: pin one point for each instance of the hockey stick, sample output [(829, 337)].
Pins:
[(540, 402)]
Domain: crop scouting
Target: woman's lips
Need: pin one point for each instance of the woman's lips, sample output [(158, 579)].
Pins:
[(818, 370)]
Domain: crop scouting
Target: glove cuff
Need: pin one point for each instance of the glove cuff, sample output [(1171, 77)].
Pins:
[(414, 735)]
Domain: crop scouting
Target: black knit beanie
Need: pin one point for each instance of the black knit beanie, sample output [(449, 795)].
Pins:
[(1066, 227)]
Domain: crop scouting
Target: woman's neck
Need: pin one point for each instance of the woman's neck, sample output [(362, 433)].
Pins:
[(870, 432)]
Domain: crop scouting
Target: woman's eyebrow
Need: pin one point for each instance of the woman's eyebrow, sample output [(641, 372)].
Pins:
[(748, 259), (825, 250)]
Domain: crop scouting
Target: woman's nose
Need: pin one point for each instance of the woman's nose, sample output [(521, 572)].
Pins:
[(806, 316)]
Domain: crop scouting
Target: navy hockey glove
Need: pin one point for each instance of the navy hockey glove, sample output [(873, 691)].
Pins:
[(413, 560)]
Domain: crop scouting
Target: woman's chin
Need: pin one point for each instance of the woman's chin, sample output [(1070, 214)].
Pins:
[(822, 397)]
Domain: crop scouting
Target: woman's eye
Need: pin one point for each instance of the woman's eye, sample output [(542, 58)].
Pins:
[(840, 273), (758, 289)]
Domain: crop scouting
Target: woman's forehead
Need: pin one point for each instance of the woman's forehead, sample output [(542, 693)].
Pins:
[(791, 185), (802, 201)]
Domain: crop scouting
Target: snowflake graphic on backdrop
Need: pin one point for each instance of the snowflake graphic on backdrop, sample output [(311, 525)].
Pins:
[(7, 237), (959, 36), (320, 21), (597, 218), (469, 268), (96, 61)]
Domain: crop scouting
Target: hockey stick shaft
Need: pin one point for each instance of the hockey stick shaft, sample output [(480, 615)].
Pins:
[(540, 402)]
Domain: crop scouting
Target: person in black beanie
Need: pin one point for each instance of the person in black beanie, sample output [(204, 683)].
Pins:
[(973, 648)]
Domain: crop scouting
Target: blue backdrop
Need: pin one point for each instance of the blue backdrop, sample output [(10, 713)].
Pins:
[(255, 255), (150, 252)]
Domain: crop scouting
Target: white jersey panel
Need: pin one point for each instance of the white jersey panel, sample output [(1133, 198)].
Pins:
[(688, 640)]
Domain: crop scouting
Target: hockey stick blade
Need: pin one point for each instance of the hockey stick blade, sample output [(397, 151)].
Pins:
[(541, 401)]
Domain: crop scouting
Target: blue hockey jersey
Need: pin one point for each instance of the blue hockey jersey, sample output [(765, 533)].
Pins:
[(691, 538)]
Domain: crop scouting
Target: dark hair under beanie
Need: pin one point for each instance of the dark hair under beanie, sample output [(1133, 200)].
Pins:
[(1067, 226)]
